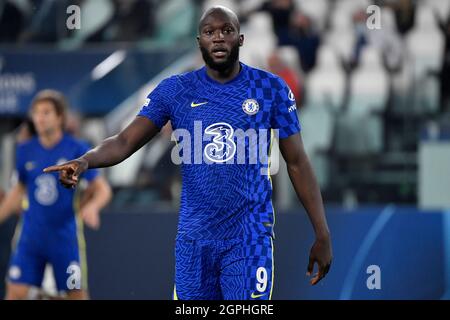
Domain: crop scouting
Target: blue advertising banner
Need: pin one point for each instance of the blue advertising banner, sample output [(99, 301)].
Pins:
[(380, 252), (23, 73), (95, 81), (383, 252)]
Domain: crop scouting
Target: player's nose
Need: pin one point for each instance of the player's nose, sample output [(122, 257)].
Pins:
[(218, 36)]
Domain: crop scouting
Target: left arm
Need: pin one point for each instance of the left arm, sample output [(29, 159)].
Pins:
[(308, 191), (97, 196)]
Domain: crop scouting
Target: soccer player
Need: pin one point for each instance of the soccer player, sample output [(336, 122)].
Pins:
[(49, 232), (224, 244)]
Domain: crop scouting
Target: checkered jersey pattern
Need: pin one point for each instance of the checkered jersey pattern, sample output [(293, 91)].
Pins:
[(224, 199)]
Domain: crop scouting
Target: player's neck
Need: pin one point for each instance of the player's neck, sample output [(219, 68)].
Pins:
[(50, 139), (225, 75)]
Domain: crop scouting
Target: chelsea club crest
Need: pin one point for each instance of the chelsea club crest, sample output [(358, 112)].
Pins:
[(250, 106)]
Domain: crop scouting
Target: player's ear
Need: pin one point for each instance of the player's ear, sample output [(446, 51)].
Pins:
[(241, 40), (198, 40)]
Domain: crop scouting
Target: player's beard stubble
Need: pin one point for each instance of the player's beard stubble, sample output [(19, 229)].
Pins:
[(222, 66)]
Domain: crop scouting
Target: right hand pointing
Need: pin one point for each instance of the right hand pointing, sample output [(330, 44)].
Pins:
[(69, 172)]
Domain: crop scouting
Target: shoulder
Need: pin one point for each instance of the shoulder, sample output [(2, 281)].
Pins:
[(169, 81), (272, 80), (173, 85), (168, 86), (27, 145), (187, 76), (186, 79), (180, 78)]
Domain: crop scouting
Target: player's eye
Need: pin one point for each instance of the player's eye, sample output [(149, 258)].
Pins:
[(208, 32)]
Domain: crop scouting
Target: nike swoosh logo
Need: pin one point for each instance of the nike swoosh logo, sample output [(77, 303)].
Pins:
[(193, 105), (255, 296)]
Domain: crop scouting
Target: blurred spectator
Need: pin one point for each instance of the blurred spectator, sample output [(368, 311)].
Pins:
[(306, 39), (279, 67), (445, 73), (359, 22), (73, 124), (281, 13), (132, 20), (47, 21), (26, 131), (12, 21), (405, 11), (387, 39)]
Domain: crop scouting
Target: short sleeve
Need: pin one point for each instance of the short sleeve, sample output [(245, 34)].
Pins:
[(156, 107), (20, 165), (284, 112), (90, 174)]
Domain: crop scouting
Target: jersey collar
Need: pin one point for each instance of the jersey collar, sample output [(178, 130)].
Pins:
[(240, 76)]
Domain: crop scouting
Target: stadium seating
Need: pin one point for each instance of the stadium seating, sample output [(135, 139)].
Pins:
[(341, 35), (260, 40), (364, 86), (96, 13), (425, 45), (291, 57), (440, 8), (360, 128), (326, 82), (316, 9), (325, 89), (174, 21)]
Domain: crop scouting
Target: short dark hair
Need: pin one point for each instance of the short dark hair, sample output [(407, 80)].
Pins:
[(57, 99)]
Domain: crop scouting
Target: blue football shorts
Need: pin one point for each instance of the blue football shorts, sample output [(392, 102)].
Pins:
[(232, 269)]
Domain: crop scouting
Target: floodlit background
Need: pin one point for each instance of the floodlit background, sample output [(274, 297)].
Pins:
[(373, 90)]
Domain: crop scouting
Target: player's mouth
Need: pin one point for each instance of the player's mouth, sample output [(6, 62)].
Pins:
[(219, 52)]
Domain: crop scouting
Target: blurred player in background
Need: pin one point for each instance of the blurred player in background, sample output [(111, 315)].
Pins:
[(224, 244), (50, 232)]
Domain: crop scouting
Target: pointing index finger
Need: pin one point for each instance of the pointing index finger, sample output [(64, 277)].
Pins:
[(54, 168)]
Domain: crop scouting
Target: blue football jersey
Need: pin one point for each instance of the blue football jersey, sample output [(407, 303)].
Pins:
[(50, 206), (226, 189)]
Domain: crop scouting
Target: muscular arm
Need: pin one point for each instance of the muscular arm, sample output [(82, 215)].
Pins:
[(115, 149), (11, 202), (308, 192), (110, 152), (304, 182)]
